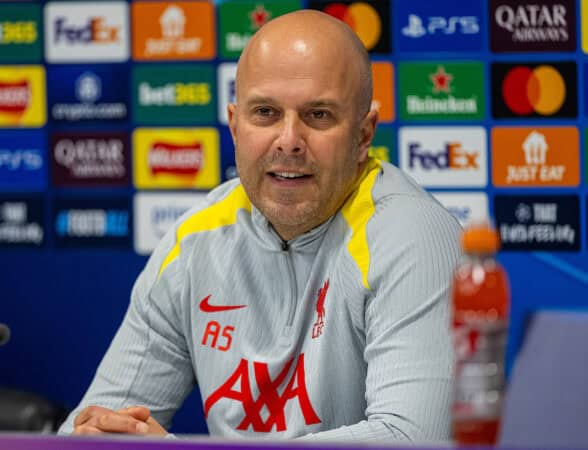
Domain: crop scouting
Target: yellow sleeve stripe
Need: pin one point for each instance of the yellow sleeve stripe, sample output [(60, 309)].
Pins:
[(357, 211), (215, 216)]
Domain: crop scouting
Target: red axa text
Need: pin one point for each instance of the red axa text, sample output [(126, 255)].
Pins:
[(175, 159), (14, 96), (238, 388)]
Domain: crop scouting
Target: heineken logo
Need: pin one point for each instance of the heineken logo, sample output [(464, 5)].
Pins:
[(439, 91)]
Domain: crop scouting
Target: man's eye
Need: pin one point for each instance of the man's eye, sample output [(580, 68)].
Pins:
[(320, 114), (264, 111)]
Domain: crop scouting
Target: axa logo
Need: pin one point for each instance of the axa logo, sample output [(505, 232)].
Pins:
[(15, 96), (439, 25), (319, 324), (177, 159), (452, 157), (96, 30), (274, 395)]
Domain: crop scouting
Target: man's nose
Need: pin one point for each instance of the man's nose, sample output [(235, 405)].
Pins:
[(291, 135)]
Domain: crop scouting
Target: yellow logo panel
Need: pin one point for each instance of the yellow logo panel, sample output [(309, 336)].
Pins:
[(176, 158), (584, 24), (22, 96)]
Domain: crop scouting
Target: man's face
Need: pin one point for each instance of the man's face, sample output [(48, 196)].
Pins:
[(299, 143)]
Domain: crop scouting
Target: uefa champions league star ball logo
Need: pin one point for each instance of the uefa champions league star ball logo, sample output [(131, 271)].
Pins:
[(88, 87)]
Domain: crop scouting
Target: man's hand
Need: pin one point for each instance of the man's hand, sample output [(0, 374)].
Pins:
[(132, 420)]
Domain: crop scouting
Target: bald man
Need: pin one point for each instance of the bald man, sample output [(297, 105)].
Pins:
[(309, 297)]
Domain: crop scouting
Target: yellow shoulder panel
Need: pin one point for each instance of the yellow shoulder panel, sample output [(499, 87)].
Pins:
[(215, 216), (357, 211)]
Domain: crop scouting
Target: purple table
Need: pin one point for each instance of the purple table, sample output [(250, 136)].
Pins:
[(46, 442)]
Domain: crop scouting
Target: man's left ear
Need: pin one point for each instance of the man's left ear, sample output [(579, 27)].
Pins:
[(367, 132)]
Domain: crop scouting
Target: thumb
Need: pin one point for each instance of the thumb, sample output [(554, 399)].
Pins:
[(138, 412)]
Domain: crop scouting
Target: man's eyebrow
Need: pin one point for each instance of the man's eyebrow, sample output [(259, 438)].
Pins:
[(258, 99), (323, 104)]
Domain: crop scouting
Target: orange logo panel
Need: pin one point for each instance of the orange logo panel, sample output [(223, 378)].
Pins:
[(168, 31), (383, 76), (535, 156)]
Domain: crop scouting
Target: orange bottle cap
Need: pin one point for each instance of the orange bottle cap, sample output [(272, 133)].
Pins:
[(480, 238)]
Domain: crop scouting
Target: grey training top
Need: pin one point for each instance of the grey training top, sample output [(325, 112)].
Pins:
[(341, 333)]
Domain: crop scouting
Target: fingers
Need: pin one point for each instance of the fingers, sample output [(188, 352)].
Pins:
[(97, 420), (138, 412), (90, 412), (122, 423)]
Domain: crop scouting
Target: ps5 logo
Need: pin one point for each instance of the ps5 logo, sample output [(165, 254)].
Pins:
[(416, 27)]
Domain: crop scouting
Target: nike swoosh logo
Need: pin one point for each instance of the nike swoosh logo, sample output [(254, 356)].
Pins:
[(208, 308)]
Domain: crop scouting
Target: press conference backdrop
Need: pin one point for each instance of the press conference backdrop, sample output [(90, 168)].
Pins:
[(113, 123)]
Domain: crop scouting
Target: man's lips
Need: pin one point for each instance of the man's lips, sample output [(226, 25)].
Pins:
[(284, 175)]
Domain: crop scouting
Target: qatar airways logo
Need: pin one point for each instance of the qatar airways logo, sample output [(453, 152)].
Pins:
[(176, 159)]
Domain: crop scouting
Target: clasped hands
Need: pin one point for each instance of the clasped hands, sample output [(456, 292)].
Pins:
[(95, 420)]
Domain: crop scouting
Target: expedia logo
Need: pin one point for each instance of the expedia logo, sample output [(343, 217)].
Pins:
[(533, 26), (534, 90), (177, 159), (174, 94), (21, 32), (14, 96), (370, 21)]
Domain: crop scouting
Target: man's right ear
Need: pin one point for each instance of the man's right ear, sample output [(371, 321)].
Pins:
[(232, 115)]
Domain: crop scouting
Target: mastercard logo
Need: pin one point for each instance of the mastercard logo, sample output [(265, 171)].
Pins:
[(361, 18), (540, 90)]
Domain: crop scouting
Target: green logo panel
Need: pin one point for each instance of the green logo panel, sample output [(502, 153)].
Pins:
[(21, 33), (174, 94), (383, 145), (441, 91), (239, 20)]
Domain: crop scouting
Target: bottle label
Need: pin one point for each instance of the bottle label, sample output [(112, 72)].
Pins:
[(480, 346)]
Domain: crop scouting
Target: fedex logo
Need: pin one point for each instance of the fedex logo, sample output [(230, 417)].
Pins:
[(96, 30), (444, 156), (87, 31), (453, 156)]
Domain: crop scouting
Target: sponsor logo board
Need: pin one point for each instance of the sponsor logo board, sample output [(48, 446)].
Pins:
[(21, 221), (226, 89), (22, 96), (98, 222), (439, 26), (370, 21), (523, 26), (176, 158), (536, 90), (535, 156), (173, 31), (169, 94), (383, 146), (466, 207), (85, 159), (383, 80), (86, 31), (538, 222), (155, 213), (20, 33), (23, 160), (238, 21), (443, 156), (441, 90), (87, 94)]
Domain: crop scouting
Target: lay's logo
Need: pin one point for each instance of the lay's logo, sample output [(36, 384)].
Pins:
[(178, 159), (14, 97), (22, 96)]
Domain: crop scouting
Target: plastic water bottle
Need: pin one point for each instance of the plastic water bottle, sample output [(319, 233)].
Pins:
[(481, 302)]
